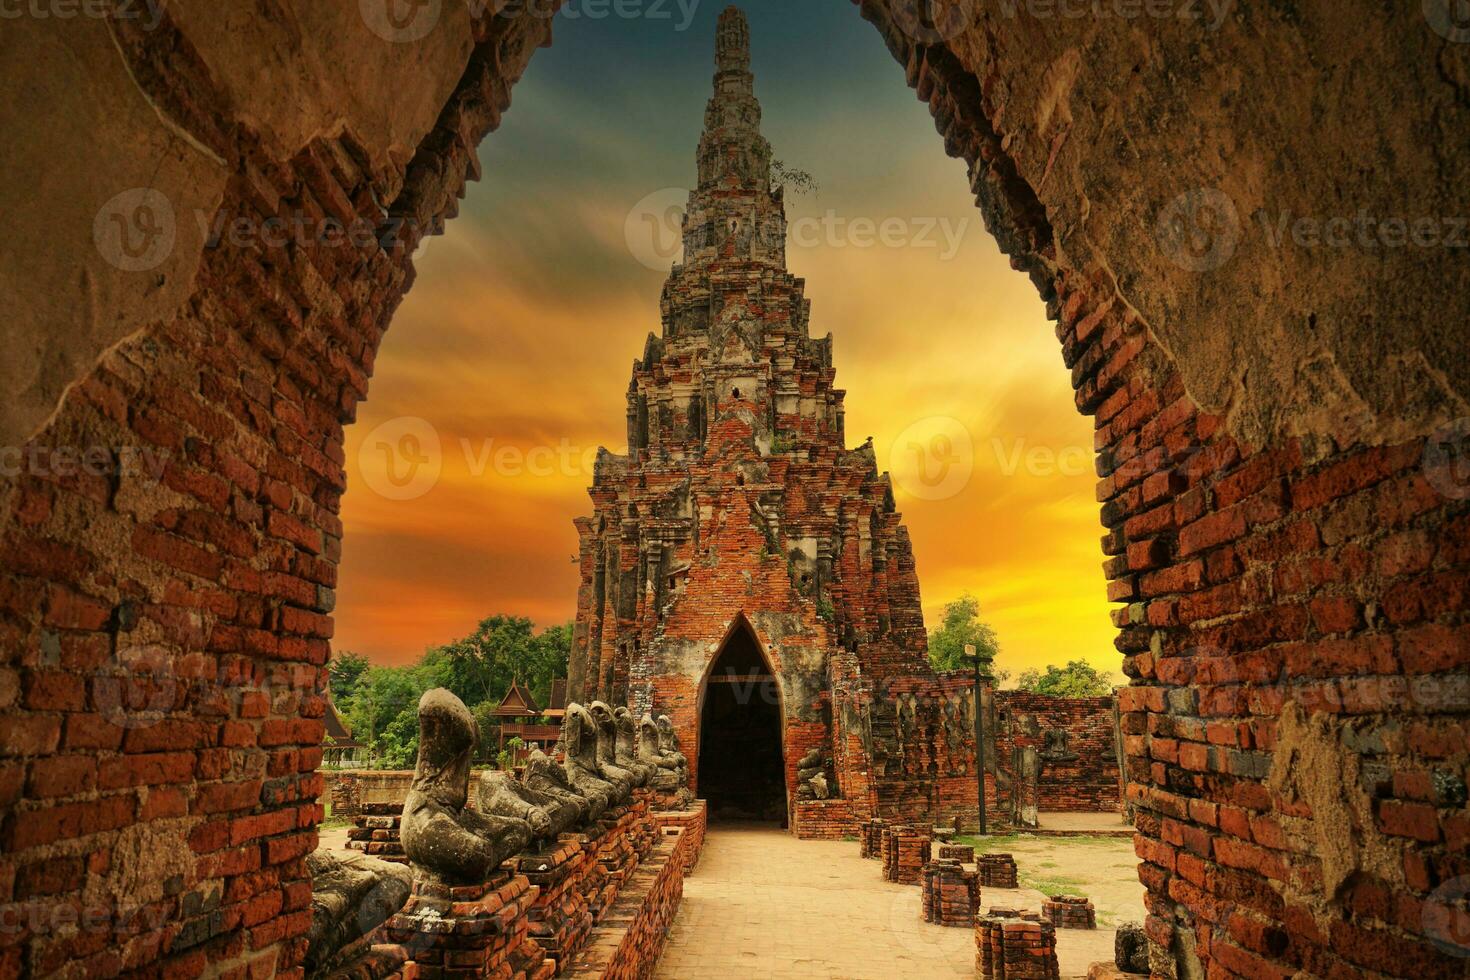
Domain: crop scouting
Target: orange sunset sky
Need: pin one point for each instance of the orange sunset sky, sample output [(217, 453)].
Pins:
[(515, 345)]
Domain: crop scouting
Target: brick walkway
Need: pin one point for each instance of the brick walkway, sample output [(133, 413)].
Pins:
[(762, 903)]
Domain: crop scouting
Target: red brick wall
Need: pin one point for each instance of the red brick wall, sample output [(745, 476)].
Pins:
[(1088, 783), (164, 638), (1293, 618)]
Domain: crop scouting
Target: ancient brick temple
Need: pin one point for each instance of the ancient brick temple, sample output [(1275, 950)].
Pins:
[(743, 567), (1281, 434)]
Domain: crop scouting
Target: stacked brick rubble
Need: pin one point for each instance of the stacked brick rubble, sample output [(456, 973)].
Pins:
[(1014, 945), (951, 894), (738, 500), (997, 870), (963, 853), (471, 931), (870, 836), (905, 852), (1069, 912), (374, 831)]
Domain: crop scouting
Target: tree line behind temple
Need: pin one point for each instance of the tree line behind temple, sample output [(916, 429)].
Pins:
[(380, 704)]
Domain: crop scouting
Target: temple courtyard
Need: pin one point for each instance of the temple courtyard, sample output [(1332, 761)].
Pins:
[(762, 903)]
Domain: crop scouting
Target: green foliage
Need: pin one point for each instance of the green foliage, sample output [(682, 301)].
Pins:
[(798, 180), (1078, 679), (962, 626), (826, 610), (507, 757), (345, 674), (783, 443), (382, 704)]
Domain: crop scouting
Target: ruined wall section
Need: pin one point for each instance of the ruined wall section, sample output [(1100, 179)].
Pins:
[(166, 612), (1075, 743), (1290, 568)]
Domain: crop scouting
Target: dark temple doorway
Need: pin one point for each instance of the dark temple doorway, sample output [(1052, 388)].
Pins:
[(741, 773)]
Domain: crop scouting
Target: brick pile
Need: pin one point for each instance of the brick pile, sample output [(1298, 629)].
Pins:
[(471, 931), (870, 837), (951, 894), (1069, 912), (997, 870), (963, 853), (1014, 945), (374, 831), (905, 852)]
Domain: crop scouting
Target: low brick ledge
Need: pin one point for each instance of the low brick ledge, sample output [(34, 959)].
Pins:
[(629, 939)]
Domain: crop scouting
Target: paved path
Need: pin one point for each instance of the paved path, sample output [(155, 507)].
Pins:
[(763, 904)]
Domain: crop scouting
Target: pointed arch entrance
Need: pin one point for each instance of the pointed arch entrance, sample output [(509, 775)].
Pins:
[(742, 772)]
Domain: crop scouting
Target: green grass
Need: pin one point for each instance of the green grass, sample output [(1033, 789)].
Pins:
[(991, 843), (1050, 885), (329, 821)]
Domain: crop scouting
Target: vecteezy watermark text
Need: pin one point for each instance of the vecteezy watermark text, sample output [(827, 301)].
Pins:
[(407, 21), (1201, 229), (138, 229), (654, 230), (68, 461), (1210, 13), (148, 12)]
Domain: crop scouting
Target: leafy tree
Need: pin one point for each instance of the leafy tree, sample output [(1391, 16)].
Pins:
[(1078, 679), (345, 673), (793, 177), (382, 703), (962, 626)]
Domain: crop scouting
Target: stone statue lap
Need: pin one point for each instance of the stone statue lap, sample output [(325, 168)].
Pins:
[(445, 840), (607, 765), (582, 766)]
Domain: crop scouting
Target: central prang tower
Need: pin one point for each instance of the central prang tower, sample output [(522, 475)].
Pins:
[(743, 571)]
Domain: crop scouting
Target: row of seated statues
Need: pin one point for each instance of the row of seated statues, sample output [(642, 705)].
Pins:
[(604, 755)]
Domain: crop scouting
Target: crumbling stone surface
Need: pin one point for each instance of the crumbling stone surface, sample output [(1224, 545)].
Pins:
[(1130, 948), (351, 896), (444, 839)]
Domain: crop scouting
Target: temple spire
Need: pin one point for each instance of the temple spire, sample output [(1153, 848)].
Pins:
[(733, 211), (732, 42)]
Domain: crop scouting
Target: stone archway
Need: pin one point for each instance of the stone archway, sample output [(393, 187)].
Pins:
[(742, 760), (1286, 533)]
